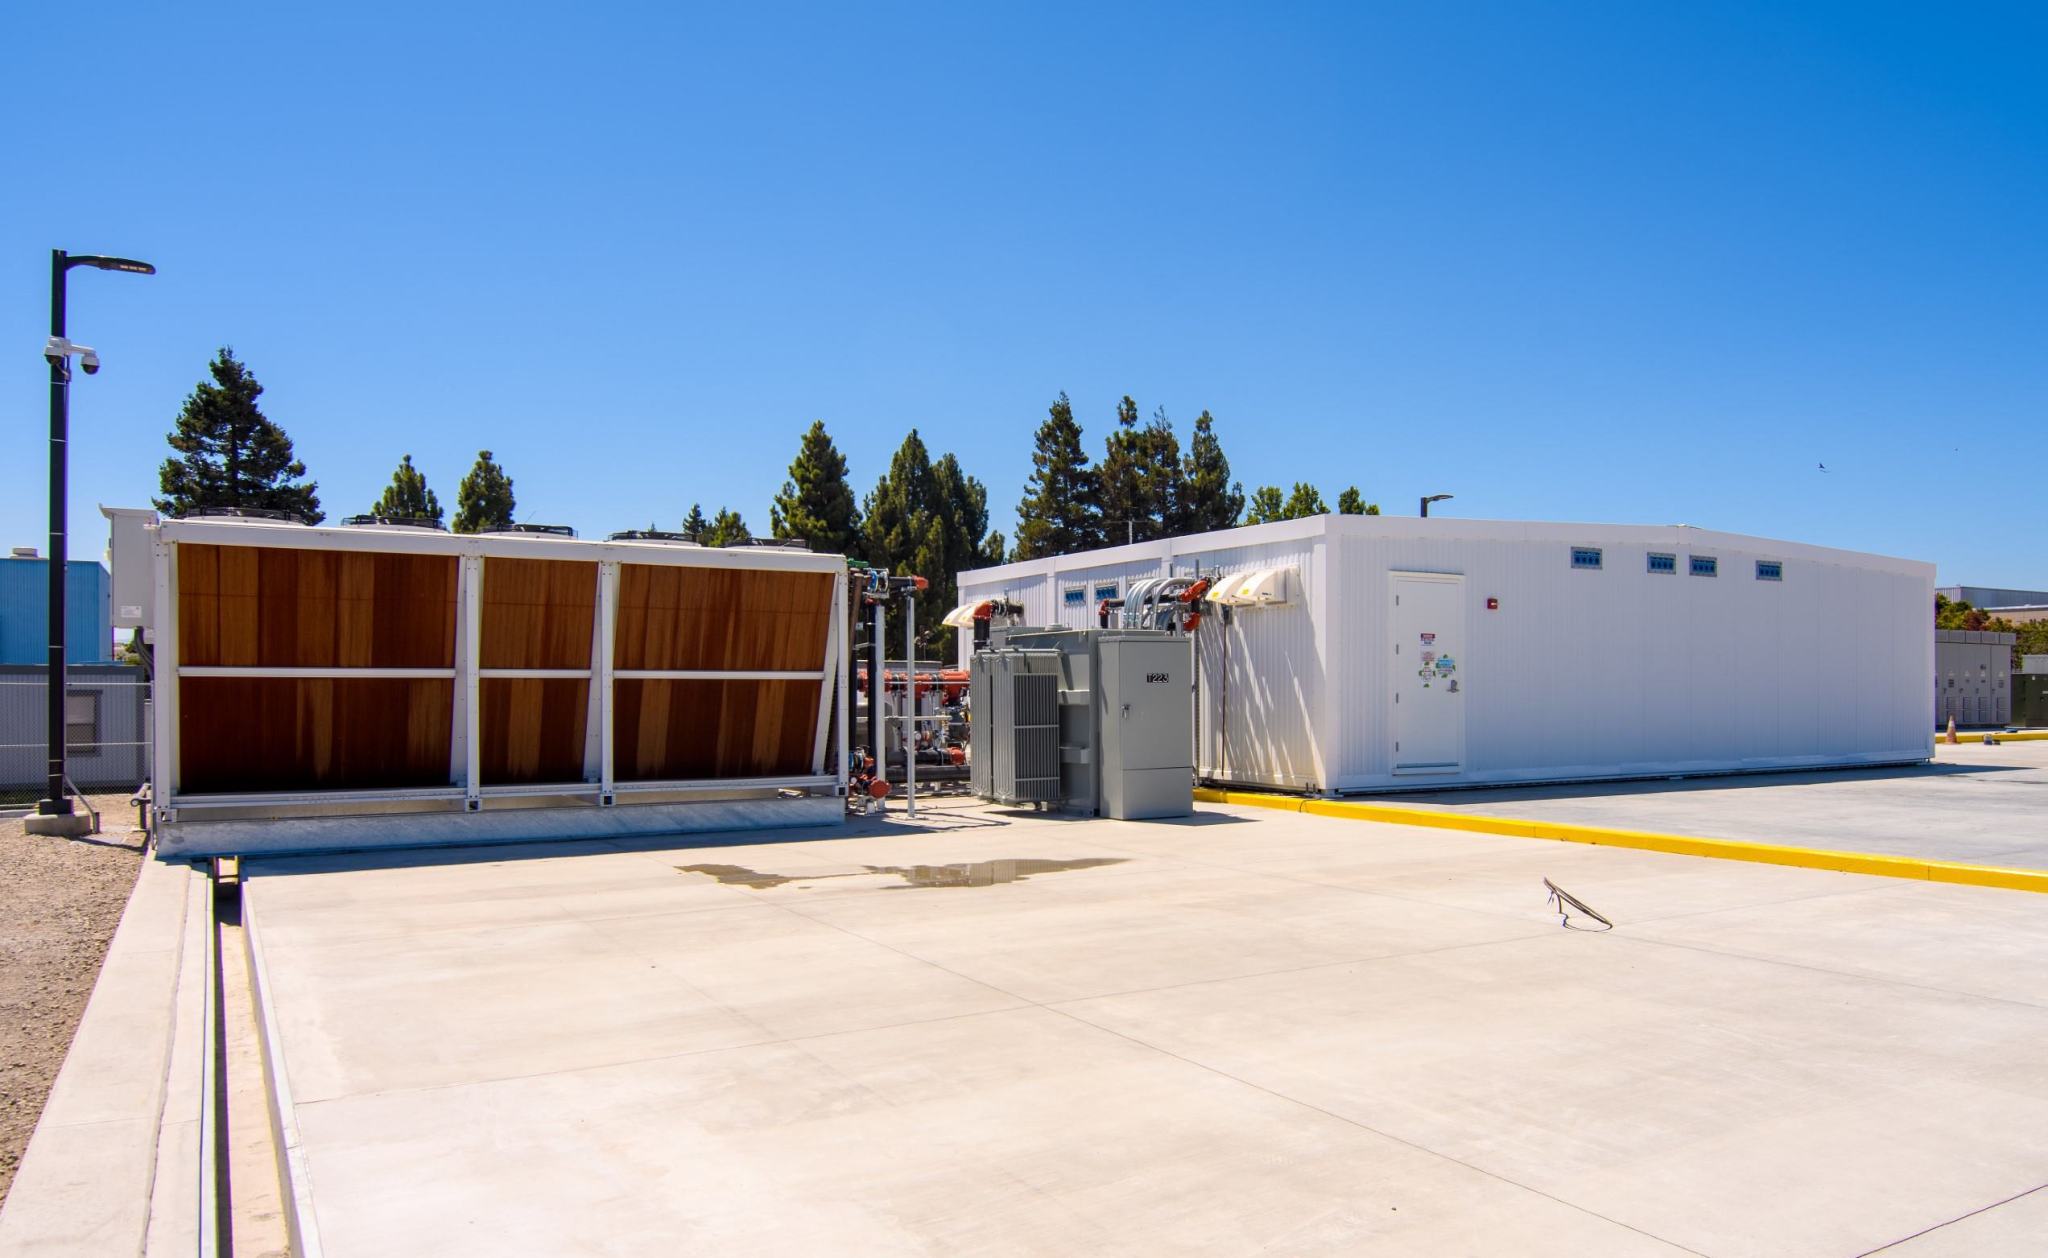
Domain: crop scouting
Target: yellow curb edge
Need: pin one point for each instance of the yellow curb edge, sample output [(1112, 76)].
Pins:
[(1649, 841)]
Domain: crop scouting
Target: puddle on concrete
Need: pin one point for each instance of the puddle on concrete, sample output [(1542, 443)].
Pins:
[(974, 874)]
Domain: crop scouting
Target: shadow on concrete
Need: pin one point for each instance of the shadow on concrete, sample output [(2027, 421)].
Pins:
[(934, 821)]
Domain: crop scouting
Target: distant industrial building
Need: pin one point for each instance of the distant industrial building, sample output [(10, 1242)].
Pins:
[(1987, 597), (25, 603)]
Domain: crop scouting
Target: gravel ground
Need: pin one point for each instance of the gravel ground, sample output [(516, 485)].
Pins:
[(60, 900)]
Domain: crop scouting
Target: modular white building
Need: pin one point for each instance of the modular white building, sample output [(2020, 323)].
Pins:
[(1372, 653)]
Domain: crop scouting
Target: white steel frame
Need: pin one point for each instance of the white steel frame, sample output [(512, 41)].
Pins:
[(600, 784)]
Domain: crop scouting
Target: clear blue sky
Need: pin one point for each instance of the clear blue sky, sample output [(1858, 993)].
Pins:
[(1640, 263)]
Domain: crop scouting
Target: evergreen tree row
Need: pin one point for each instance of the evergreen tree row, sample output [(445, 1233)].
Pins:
[(229, 454), (925, 516), (1145, 487)]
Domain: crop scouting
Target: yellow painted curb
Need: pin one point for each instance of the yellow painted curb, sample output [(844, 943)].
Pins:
[(1648, 841), (1966, 737)]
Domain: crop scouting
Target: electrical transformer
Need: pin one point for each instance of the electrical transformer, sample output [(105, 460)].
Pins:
[(1096, 721)]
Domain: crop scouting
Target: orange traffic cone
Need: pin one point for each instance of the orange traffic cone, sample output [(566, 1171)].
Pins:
[(1951, 728)]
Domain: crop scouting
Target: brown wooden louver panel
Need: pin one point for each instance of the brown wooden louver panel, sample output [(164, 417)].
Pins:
[(250, 607), (725, 619), (244, 606), (677, 730), (535, 613), (298, 734)]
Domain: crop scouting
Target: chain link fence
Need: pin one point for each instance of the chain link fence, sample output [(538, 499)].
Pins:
[(106, 730)]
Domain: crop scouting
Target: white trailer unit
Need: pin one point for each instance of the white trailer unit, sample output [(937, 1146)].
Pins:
[(1369, 653)]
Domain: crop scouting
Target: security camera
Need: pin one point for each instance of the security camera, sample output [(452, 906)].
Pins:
[(90, 361)]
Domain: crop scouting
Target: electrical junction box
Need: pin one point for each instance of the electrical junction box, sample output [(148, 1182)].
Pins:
[(1144, 705)]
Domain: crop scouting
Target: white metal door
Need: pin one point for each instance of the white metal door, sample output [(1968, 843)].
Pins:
[(1428, 670)]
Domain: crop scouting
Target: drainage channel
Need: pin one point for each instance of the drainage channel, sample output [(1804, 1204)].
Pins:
[(246, 1196)]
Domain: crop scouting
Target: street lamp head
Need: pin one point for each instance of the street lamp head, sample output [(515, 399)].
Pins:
[(109, 264)]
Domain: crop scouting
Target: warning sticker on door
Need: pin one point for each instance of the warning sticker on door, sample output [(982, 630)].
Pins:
[(1428, 639)]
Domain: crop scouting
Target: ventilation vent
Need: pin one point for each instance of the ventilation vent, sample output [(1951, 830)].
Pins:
[(1706, 566), (1769, 570), (1586, 557), (653, 535), (539, 530), (395, 521), (770, 543), (245, 513), (1666, 564)]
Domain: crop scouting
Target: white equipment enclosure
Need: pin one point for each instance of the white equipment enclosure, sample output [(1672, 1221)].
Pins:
[(1370, 653), (320, 688)]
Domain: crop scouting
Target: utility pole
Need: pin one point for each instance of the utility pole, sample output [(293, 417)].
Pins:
[(53, 813)]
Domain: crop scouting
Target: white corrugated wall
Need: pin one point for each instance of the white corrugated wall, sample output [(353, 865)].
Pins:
[(1579, 673)]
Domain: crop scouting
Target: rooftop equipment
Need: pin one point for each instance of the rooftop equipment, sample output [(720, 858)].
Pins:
[(535, 530), (394, 521), (245, 513)]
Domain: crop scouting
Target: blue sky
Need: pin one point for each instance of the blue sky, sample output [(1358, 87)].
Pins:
[(1638, 263)]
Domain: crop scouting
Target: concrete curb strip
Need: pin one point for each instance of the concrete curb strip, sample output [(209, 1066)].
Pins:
[(114, 1165), (1650, 841)]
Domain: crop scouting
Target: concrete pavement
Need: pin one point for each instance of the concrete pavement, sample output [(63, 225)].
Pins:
[(1972, 803), (1249, 1031)]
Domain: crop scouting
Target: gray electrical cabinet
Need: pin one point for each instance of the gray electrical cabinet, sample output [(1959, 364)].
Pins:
[(1972, 672), (1124, 720), (1145, 713)]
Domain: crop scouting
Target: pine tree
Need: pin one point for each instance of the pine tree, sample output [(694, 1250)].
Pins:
[(1163, 476), (929, 519), (1059, 513), (962, 504), (899, 517), (407, 496), (816, 504), (484, 498), (1209, 498), (726, 528), (1305, 501), (1265, 506), (229, 454), (1351, 502), (695, 524), (1126, 501)]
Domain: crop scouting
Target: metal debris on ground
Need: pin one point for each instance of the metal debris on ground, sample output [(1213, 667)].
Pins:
[(1565, 903)]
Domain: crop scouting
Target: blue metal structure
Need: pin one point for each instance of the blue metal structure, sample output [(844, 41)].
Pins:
[(24, 611)]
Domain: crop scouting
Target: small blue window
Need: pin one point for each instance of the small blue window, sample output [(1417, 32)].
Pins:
[(1074, 596), (1667, 564), (1706, 566), (1105, 591), (1585, 556), (1769, 570)]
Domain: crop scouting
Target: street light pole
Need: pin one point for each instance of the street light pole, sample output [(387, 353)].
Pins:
[(59, 349), (56, 800), (1431, 498)]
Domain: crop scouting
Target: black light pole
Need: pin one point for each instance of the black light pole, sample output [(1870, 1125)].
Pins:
[(59, 351), (1430, 499)]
